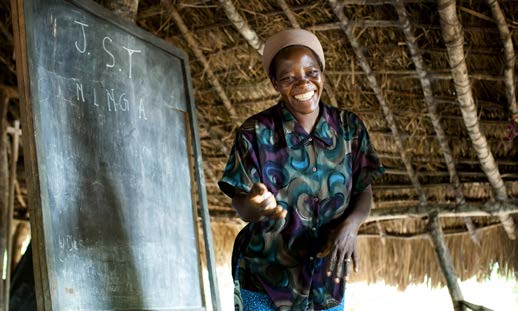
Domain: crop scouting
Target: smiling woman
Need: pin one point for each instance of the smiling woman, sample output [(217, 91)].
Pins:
[(300, 174)]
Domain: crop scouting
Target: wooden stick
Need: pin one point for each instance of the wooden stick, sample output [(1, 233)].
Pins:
[(242, 26), (445, 261), (375, 86), (419, 236), (9, 229), (426, 85), (452, 35), (510, 57), (4, 193), (202, 59), (392, 24), (490, 208)]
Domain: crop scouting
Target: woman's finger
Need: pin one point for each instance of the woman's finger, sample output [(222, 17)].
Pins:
[(347, 266), (331, 263)]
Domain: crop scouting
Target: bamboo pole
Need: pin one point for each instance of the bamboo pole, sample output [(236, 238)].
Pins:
[(453, 36), (509, 55), (414, 211), (445, 261), (242, 26), (4, 193), (9, 230), (392, 24), (490, 208), (203, 60), (425, 235), (375, 86)]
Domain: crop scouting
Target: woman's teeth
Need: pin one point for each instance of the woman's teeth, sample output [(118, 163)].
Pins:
[(305, 96)]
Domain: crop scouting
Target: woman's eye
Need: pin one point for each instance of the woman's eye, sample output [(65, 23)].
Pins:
[(287, 79), (314, 72)]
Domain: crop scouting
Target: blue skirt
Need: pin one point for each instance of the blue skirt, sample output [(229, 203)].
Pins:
[(253, 301)]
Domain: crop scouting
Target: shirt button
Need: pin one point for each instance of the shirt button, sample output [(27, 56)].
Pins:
[(311, 258), (314, 169), (310, 139), (314, 229), (315, 199)]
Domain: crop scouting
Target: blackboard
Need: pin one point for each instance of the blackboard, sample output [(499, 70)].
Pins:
[(111, 124)]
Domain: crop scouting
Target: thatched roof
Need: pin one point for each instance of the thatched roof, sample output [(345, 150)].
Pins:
[(387, 61)]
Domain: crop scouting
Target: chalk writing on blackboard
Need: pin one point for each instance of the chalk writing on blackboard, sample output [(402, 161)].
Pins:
[(81, 48)]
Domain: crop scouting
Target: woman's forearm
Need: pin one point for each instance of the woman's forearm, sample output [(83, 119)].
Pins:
[(360, 207)]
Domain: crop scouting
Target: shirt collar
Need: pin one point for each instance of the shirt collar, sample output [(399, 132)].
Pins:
[(324, 132)]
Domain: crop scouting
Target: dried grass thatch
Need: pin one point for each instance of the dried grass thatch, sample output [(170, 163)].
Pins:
[(237, 75)]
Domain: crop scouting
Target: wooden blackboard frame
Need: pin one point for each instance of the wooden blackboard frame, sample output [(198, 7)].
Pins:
[(20, 26)]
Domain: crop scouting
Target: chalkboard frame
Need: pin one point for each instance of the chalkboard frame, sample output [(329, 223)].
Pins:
[(22, 29)]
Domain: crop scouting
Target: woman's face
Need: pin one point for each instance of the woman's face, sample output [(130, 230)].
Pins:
[(297, 77)]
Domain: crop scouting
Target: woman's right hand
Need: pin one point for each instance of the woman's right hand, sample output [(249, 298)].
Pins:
[(258, 204)]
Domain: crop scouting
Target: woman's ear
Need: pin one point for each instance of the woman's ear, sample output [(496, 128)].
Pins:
[(274, 84)]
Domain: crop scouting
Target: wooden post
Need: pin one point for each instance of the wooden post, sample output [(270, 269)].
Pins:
[(9, 229), (445, 262), (4, 180)]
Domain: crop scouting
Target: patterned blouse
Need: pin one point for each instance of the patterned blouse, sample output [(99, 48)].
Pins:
[(313, 177)]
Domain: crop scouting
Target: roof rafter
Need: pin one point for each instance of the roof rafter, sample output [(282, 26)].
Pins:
[(390, 24), (375, 86), (490, 208), (454, 40), (509, 55), (426, 85), (202, 59)]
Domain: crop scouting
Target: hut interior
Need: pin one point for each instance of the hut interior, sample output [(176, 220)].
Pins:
[(433, 80)]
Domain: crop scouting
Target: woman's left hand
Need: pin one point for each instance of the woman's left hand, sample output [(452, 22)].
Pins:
[(341, 251)]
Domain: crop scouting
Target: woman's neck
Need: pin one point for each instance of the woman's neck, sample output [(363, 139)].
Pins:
[(308, 121)]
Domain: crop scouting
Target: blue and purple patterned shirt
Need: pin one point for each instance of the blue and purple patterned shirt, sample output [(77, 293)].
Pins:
[(313, 177)]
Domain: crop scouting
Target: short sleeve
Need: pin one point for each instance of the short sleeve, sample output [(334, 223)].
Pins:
[(366, 166), (242, 169)]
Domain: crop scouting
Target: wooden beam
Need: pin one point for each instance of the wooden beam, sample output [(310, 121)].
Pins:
[(4, 194), (202, 59), (9, 91), (444, 173), (453, 36), (509, 57), (392, 24), (242, 26), (407, 187), (414, 211), (445, 261), (10, 212), (426, 235), (490, 208), (425, 159), (375, 86), (437, 74)]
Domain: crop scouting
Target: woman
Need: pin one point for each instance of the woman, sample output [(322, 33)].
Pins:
[(299, 173)]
